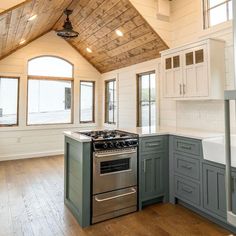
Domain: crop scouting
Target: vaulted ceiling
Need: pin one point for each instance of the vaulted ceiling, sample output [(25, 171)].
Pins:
[(95, 20)]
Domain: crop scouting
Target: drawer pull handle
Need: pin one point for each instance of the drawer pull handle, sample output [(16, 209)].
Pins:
[(233, 184), (186, 148), (187, 167), (187, 190), (133, 190), (153, 144)]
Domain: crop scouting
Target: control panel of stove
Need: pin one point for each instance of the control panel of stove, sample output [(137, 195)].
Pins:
[(115, 144)]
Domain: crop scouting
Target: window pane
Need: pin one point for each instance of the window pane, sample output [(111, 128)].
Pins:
[(49, 102), (145, 88), (147, 103), (50, 66), (153, 87), (213, 3), (218, 15), (153, 113), (86, 101), (144, 114), (8, 101), (111, 102), (230, 10)]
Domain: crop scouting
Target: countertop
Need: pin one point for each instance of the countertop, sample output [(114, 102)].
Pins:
[(151, 131)]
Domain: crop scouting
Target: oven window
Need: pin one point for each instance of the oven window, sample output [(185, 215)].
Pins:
[(114, 166)]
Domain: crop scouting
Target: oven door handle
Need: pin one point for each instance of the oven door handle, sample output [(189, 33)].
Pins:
[(133, 190), (114, 154)]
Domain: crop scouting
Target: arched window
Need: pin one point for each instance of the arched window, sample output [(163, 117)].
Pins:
[(50, 82)]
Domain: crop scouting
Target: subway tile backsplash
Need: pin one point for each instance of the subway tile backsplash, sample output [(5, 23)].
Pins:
[(204, 115)]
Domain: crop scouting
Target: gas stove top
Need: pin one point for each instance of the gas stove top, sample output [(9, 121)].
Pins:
[(112, 139), (108, 135)]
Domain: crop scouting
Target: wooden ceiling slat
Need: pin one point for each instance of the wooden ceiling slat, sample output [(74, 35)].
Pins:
[(95, 20), (100, 24)]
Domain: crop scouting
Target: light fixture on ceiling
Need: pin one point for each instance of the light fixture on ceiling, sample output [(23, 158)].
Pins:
[(119, 33), (33, 17), (89, 50), (22, 41), (67, 32)]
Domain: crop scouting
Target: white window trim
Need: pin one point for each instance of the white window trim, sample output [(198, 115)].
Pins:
[(206, 9)]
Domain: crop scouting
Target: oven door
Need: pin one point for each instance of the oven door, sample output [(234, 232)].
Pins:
[(114, 170)]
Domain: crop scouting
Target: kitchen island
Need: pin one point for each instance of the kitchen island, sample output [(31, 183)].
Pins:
[(171, 169)]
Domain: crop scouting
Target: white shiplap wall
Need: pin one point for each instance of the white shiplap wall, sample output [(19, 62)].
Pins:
[(186, 26), (32, 141), (126, 91)]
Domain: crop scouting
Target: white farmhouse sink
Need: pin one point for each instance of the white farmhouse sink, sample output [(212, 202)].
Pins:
[(214, 149)]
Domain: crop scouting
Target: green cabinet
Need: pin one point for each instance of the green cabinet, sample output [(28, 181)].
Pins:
[(214, 192), (153, 169), (152, 182)]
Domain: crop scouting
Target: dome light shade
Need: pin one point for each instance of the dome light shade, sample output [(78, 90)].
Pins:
[(67, 32)]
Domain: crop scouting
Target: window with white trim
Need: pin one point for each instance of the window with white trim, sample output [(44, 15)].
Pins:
[(50, 91), (110, 101), (217, 12), (146, 99), (87, 92), (9, 97)]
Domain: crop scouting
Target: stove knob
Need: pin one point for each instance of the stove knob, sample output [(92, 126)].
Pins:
[(110, 145), (105, 145), (117, 144), (123, 143)]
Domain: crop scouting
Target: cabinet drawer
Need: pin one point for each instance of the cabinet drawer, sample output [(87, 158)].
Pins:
[(152, 144), (187, 190), (187, 166), (187, 146)]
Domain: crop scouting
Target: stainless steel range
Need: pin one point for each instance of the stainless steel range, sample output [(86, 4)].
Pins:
[(114, 190)]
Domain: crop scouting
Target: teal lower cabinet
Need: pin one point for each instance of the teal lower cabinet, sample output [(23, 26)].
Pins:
[(196, 183), (77, 179), (214, 193), (152, 175), (153, 170)]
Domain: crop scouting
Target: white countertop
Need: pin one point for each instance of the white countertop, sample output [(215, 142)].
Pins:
[(152, 131), (79, 137)]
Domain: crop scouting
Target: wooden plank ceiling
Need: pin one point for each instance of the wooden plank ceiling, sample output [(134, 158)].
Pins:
[(96, 22)]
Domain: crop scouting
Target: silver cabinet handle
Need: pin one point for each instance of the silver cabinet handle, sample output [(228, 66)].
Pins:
[(180, 89), (184, 89), (153, 144), (186, 190), (187, 167), (133, 190), (233, 183), (144, 165), (186, 147), (113, 154)]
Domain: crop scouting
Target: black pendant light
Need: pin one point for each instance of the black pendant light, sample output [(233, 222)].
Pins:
[(67, 32)]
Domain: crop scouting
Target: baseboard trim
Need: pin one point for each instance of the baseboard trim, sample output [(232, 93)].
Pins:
[(31, 155)]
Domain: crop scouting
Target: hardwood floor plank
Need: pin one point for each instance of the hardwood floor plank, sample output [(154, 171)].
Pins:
[(32, 204)]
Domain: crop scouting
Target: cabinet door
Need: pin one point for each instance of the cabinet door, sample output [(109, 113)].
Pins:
[(195, 72), (152, 175), (214, 190), (172, 76), (214, 198)]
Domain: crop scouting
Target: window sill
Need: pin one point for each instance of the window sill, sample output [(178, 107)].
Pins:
[(47, 127), (228, 26)]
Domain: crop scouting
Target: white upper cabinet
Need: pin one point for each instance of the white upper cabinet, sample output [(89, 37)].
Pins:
[(194, 71)]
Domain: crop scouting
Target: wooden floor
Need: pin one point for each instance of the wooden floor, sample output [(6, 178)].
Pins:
[(31, 203)]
